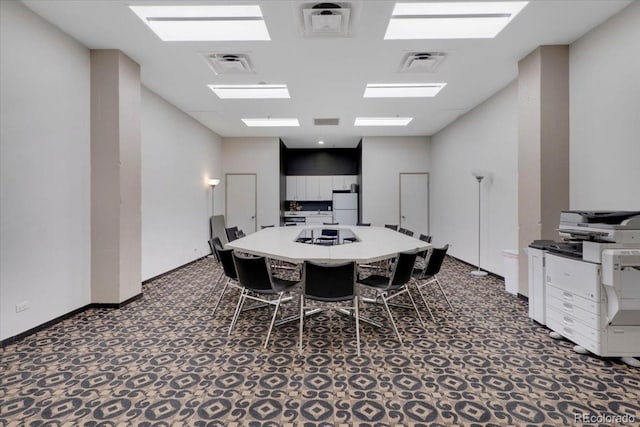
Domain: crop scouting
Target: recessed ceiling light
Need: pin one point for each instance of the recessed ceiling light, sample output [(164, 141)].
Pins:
[(402, 90), (204, 23), (451, 20), (321, 142), (382, 121), (250, 91), (271, 122)]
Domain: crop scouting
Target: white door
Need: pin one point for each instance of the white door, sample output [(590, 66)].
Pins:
[(414, 202), (241, 201)]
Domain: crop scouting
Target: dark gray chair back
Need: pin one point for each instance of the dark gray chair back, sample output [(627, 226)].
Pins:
[(231, 233), (329, 282), (403, 269), (253, 272), (435, 261), (226, 259), (391, 226)]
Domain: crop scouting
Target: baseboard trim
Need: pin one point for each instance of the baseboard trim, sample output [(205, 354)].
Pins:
[(25, 334), (151, 279), (497, 276)]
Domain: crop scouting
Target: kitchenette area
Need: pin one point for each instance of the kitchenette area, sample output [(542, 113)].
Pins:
[(320, 186), (320, 199)]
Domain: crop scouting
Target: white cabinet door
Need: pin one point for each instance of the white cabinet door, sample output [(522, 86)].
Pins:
[(350, 179), (337, 182), (301, 186), (325, 188), (312, 188), (292, 188)]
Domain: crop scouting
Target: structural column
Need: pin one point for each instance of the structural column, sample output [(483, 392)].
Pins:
[(543, 147), (115, 177)]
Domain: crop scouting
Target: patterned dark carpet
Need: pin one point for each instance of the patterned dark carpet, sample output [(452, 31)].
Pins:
[(164, 361)]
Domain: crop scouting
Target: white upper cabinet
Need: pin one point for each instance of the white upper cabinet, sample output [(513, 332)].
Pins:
[(343, 182), (325, 187), (317, 188), (296, 187), (292, 188)]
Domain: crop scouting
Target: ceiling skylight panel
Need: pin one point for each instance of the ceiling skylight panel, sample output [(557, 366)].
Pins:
[(451, 20), (250, 91), (272, 122), (204, 23), (400, 90)]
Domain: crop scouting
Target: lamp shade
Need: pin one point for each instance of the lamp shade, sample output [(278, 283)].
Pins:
[(213, 182)]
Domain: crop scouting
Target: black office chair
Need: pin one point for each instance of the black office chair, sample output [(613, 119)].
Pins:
[(327, 237), (364, 224), (391, 226), (406, 232), (388, 288), (240, 234), (214, 244), (329, 283), (226, 259), (262, 227), (231, 233), (424, 254), (258, 284), (430, 274)]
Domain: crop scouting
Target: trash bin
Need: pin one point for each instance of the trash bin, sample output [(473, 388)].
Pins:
[(510, 270)]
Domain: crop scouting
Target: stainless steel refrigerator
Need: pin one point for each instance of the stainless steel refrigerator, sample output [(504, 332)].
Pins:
[(345, 208)]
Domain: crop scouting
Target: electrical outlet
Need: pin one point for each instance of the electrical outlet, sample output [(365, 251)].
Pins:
[(22, 306)]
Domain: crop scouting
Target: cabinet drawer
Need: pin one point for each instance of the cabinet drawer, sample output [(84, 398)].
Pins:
[(575, 276), (590, 331), (587, 317), (575, 331), (571, 298)]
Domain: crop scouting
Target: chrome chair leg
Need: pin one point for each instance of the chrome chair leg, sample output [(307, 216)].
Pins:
[(301, 322), (213, 287), (224, 289), (273, 320), (424, 300), (444, 294), (355, 303), (415, 307), (393, 322), (236, 314)]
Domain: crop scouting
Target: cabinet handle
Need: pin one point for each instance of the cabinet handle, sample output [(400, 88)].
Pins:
[(568, 307), (567, 296), (568, 320)]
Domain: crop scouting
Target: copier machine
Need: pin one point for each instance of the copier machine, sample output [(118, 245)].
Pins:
[(588, 288)]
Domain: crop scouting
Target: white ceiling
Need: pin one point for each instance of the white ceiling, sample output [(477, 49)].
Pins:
[(326, 77)]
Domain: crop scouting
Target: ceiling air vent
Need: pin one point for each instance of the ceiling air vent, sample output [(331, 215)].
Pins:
[(229, 63), (422, 62), (326, 19), (326, 122)]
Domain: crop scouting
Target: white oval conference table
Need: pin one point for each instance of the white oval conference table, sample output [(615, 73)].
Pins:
[(372, 244)]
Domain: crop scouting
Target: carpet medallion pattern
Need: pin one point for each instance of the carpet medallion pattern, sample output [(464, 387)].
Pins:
[(163, 360)]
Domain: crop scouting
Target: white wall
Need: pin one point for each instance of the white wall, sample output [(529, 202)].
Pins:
[(262, 157), (383, 158), (486, 138), (178, 156), (605, 115), (45, 185)]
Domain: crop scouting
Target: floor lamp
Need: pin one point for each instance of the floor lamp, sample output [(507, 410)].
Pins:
[(212, 183), (478, 273)]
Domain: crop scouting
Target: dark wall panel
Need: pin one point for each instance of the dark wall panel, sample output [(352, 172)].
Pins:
[(329, 161)]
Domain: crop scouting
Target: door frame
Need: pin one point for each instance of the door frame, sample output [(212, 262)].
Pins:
[(428, 197), (255, 195)]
